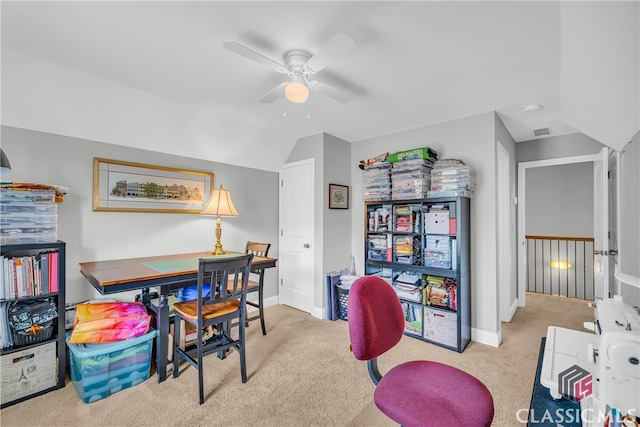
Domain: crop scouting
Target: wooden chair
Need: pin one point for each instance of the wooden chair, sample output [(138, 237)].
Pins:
[(256, 282), (218, 311), (416, 393)]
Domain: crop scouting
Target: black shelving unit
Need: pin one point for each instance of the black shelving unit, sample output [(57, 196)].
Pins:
[(400, 238), (26, 369)]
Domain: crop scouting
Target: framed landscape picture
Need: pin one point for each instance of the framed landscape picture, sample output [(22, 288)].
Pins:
[(338, 196), (135, 187)]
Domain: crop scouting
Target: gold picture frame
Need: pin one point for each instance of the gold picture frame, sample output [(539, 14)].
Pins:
[(338, 196), (135, 187)]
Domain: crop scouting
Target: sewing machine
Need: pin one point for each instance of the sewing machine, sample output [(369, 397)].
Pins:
[(611, 356)]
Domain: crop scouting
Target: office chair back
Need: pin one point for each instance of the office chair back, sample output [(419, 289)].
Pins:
[(415, 393)]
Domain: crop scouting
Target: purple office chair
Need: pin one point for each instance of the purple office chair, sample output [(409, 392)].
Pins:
[(417, 393)]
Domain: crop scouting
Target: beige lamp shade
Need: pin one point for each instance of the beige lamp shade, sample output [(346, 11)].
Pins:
[(219, 205)]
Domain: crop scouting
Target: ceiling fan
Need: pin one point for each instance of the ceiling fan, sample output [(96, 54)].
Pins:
[(300, 65)]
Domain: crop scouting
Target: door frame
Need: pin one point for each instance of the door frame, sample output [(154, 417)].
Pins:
[(522, 169), (505, 244)]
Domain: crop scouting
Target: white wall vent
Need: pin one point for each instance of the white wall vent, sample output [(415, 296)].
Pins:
[(542, 131)]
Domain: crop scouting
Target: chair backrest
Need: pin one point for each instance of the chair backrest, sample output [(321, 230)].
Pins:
[(228, 278), (257, 249), (375, 316)]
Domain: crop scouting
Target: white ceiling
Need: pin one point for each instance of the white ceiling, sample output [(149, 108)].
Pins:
[(416, 63)]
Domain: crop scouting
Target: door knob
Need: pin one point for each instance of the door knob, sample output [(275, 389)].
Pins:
[(307, 246), (598, 252), (613, 252)]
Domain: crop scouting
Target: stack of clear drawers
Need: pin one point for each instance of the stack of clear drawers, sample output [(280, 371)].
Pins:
[(451, 178), (410, 179), (28, 216), (376, 182)]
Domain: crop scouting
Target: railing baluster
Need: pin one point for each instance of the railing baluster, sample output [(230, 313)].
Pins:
[(537, 262)]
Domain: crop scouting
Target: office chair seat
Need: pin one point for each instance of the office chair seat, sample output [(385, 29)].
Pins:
[(416, 393), (425, 393)]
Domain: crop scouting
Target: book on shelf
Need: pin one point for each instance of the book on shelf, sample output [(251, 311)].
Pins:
[(53, 272), (44, 267), (29, 275), (412, 318)]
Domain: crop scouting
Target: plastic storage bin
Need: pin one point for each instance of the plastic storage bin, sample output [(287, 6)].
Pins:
[(28, 217), (100, 370)]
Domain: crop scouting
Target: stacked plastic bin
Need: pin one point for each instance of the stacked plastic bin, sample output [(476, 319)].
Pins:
[(28, 216), (452, 178), (376, 182), (100, 370), (410, 179)]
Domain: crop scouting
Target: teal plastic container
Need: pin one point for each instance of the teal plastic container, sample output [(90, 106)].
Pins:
[(100, 370)]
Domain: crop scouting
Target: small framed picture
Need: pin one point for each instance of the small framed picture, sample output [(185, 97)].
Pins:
[(338, 196)]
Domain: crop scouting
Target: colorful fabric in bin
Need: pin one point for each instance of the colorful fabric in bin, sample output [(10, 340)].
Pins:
[(106, 322)]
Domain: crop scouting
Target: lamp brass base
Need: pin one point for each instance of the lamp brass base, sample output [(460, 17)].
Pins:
[(218, 248)]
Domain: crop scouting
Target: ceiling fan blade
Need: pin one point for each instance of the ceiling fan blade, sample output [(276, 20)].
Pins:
[(337, 47), (248, 53), (274, 93), (331, 91)]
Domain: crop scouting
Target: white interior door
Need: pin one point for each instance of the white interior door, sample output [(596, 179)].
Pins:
[(296, 259), (601, 209)]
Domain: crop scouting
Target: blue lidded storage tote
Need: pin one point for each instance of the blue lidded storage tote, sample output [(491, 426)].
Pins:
[(100, 370)]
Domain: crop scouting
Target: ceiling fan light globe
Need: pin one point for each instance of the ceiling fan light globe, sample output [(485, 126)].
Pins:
[(296, 92)]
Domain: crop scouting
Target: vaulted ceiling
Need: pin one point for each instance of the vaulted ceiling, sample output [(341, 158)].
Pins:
[(415, 63)]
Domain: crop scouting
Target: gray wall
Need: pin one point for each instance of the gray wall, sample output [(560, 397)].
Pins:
[(629, 241), (473, 140), (39, 157), (337, 222), (629, 181), (575, 144), (560, 200)]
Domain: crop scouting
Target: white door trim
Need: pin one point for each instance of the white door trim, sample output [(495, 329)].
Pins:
[(504, 249), (522, 169), (289, 271)]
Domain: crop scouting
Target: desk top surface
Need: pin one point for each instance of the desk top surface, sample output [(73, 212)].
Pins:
[(119, 271)]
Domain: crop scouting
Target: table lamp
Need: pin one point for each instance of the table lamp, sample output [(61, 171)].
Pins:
[(219, 205)]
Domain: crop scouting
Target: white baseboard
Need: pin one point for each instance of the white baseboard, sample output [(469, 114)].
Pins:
[(317, 312), (271, 301), (484, 337), (513, 309)]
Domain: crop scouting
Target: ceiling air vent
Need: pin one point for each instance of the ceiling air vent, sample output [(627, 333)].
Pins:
[(542, 131)]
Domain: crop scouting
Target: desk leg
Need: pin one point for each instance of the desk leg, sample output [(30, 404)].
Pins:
[(162, 338)]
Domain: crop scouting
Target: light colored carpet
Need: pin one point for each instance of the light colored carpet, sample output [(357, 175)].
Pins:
[(302, 374)]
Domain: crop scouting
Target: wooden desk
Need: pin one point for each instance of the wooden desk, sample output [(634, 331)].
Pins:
[(166, 273)]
